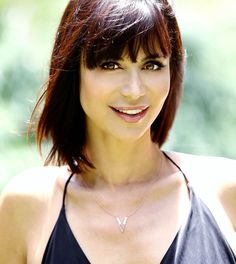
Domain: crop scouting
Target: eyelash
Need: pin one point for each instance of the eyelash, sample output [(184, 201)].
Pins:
[(116, 66), (105, 65), (155, 63)]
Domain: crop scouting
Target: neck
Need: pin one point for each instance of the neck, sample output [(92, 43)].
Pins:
[(120, 163)]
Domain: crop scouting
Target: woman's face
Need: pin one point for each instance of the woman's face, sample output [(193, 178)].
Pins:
[(122, 98)]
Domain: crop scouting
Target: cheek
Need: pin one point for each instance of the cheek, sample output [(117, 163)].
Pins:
[(88, 87), (160, 85), (92, 92), (164, 83), (94, 84), (166, 87), (86, 92)]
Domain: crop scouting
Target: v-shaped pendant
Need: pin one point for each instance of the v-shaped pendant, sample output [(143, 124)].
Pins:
[(122, 223)]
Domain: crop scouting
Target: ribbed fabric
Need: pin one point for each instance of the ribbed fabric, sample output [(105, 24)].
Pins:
[(199, 240)]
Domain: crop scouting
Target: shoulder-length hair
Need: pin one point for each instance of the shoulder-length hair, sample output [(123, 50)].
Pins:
[(96, 30)]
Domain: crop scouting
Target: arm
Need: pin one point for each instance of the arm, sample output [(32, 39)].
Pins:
[(227, 196), (214, 179), (228, 192), (12, 245), (23, 206)]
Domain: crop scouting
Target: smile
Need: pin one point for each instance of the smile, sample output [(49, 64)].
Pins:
[(131, 115), (130, 112)]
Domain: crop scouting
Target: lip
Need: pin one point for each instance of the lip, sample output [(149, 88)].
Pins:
[(129, 107), (131, 118)]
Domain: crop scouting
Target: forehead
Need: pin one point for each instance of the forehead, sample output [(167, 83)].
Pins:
[(143, 57), (124, 30), (143, 52), (136, 49)]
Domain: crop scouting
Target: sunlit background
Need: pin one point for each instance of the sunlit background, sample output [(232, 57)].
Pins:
[(206, 121)]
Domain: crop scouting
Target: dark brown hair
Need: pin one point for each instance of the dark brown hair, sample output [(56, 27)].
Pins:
[(96, 30)]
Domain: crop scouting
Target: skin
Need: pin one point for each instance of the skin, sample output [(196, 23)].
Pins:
[(111, 140), (30, 204)]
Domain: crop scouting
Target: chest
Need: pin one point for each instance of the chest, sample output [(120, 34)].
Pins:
[(149, 231), (143, 246), (147, 236)]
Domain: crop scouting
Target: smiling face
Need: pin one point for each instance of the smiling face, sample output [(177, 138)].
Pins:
[(122, 98)]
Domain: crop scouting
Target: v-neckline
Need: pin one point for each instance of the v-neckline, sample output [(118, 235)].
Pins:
[(184, 223)]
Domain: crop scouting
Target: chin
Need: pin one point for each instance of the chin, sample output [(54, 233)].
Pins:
[(131, 135)]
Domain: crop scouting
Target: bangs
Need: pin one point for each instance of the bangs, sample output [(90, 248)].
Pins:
[(123, 30)]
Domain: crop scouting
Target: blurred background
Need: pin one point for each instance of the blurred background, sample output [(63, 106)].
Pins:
[(206, 121)]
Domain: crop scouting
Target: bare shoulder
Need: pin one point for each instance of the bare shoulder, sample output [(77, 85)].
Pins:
[(219, 171), (35, 182), (212, 177), (22, 202)]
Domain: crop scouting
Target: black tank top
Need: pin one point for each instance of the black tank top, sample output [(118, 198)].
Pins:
[(199, 240)]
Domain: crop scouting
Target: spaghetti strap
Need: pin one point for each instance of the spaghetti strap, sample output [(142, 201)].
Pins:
[(71, 175), (65, 189), (200, 231), (171, 160)]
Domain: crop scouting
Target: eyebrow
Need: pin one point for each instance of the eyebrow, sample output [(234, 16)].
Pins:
[(152, 57), (149, 57), (155, 56)]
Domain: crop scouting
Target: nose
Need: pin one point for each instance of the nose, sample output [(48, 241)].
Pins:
[(133, 87)]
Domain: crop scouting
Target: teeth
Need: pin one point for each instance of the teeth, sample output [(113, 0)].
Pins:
[(130, 112)]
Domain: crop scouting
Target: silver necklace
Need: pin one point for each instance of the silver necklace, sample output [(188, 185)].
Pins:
[(122, 221)]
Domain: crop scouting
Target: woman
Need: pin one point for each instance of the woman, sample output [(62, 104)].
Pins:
[(114, 197)]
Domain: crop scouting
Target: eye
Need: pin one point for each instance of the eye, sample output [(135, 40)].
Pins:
[(153, 66), (110, 65)]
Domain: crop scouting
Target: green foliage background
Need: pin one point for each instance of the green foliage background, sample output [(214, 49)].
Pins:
[(206, 121)]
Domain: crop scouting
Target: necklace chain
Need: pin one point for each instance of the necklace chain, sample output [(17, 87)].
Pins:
[(122, 221)]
